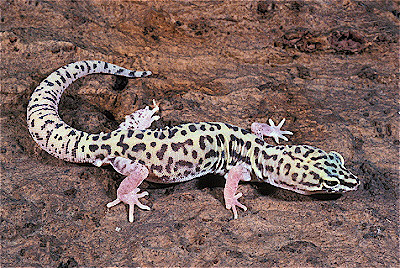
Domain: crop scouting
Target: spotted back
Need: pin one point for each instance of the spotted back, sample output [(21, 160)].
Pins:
[(307, 170)]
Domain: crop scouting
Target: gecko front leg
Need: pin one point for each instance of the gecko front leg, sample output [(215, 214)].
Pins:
[(261, 129), (141, 119), (235, 174), (128, 191)]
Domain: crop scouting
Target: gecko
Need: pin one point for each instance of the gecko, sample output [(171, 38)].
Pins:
[(183, 152)]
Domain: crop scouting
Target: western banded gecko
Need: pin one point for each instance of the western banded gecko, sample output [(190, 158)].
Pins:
[(180, 153)]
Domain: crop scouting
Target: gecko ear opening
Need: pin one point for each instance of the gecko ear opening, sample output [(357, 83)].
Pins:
[(337, 156)]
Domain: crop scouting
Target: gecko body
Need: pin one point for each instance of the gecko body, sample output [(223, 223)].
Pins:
[(183, 152)]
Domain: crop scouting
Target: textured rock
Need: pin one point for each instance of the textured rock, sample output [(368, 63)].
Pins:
[(330, 69)]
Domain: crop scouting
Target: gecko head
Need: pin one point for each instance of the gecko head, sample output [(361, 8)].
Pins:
[(335, 178), (312, 170), (327, 173)]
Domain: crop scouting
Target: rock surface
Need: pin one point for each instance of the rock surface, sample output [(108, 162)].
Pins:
[(330, 69)]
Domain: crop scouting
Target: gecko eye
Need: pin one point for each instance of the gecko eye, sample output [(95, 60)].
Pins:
[(331, 183), (337, 156)]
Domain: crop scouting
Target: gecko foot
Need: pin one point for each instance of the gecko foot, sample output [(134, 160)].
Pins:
[(231, 203), (131, 199), (236, 174), (270, 130), (141, 119)]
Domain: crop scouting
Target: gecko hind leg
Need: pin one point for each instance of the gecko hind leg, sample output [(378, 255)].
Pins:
[(141, 119), (235, 174), (128, 191), (275, 132)]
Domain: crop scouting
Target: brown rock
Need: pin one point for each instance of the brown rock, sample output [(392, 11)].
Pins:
[(330, 69)]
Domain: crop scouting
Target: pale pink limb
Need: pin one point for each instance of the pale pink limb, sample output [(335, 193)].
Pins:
[(128, 191), (141, 119), (275, 132), (235, 174)]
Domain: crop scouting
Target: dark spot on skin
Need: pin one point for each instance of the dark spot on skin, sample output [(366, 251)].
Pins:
[(269, 168), (218, 126), (211, 128), (297, 150), (192, 128), (194, 154), (172, 132), (256, 152), (131, 157), (186, 173), (318, 157), (330, 164), (279, 166), (315, 175), (203, 127), (244, 131), (219, 144), (106, 137), (183, 132), (202, 143), (287, 167), (293, 157), (259, 141), (209, 139), (107, 147), (139, 136), (182, 163), (294, 176), (156, 167), (93, 147), (161, 152), (234, 128), (71, 133), (156, 134), (221, 137), (139, 147), (100, 156), (95, 137), (148, 155), (153, 144), (210, 154), (247, 145), (168, 167), (124, 146), (162, 136), (308, 153)]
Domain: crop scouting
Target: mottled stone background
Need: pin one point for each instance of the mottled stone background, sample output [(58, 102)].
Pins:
[(330, 68)]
